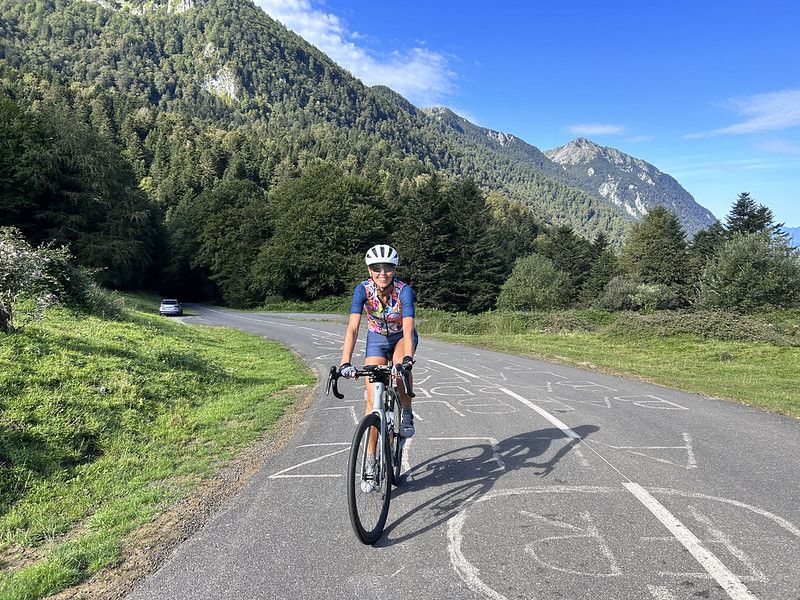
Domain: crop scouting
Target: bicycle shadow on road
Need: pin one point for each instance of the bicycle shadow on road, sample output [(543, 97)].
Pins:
[(466, 478)]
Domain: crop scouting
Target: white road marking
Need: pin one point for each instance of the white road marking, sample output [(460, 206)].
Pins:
[(308, 462), (405, 465), (584, 385), (445, 402), (552, 522), (592, 533), (720, 537), (691, 461), (325, 444), (660, 593), (456, 369), (580, 455), (567, 431), (468, 573), (732, 585), (650, 401), (352, 411), (463, 393), (779, 521)]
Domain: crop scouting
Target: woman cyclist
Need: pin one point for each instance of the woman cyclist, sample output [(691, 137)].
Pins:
[(390, 319)]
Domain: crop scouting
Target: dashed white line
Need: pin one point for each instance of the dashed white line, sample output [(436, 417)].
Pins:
[(732, 585), (456, 369), (567, 431)]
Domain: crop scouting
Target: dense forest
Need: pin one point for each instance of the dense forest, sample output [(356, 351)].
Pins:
[(212, 153)]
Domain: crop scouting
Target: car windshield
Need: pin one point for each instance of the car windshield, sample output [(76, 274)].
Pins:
[(169, 302)]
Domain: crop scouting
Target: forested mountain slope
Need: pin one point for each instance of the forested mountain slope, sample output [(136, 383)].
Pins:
[(199, 91)]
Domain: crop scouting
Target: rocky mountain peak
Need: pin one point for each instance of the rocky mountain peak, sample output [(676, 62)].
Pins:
[(628, 182)]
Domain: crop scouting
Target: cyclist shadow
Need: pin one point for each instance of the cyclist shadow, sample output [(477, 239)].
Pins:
[(467, 476)]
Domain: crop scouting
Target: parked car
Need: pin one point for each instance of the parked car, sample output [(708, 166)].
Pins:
[(170, 306)]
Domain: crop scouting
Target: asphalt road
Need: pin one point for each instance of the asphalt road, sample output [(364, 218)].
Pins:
[(525, 479)]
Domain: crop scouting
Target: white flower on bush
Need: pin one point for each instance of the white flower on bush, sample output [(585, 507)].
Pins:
[(30, 278)]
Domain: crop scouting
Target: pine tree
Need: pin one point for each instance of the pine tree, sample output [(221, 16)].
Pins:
[(425, 244), (571, 254), (747, 216), (655, 249), (477, 258)]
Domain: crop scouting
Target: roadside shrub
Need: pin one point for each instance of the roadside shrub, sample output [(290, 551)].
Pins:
[(31, 279), (534, 283), (82, 292), (652, 296), (750, 271), (709, 323), (619, 293)]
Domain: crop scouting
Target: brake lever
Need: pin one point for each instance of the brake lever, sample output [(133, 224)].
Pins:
[(333, 378), (406, 382)]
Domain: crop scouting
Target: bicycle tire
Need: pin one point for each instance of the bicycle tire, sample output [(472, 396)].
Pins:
[(368, 510), (397, 441)]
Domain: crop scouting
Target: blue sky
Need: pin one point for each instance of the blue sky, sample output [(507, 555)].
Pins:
[(709, 92)]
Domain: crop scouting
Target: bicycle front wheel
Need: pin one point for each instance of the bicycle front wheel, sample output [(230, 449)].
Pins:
[(368, 489)]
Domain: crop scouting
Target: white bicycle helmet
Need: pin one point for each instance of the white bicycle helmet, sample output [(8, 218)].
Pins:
[(381, 253)]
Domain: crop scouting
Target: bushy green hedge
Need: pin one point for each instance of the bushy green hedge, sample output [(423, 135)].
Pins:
[(752, 270), (777, 327)]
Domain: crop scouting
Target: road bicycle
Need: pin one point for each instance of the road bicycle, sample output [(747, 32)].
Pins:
[(376, 453)]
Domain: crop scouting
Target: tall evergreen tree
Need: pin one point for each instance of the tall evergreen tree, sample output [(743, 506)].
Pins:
[(235, 225), (425, 243), (747, 216), (477, 259), (569, 253), (655, 249), (323, 222), (703, 246)]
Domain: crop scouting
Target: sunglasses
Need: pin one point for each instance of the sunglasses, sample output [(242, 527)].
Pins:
[(385, 267)]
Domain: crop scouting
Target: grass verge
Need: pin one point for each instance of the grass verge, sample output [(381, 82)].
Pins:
[(105, 423)]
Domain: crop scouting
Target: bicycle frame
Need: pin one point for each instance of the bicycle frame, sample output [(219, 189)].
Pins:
[(372, 436), (382, 398)]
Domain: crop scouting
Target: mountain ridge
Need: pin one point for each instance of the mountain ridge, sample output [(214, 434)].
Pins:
[(230, 65), (629, 182)]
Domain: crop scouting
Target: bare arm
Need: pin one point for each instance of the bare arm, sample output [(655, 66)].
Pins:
[(408, 336), (350, 337)]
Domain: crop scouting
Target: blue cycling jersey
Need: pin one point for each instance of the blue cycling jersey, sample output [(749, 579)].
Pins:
[(385, 319)]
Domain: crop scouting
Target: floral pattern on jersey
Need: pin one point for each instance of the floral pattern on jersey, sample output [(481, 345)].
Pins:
[(386, 320)]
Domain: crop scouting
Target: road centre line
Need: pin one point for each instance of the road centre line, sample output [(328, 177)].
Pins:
[(732, 585), (457, 370), (536, 408)]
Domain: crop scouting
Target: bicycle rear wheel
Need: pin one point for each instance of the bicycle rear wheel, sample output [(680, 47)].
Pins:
[(368, 490), (397, 442)]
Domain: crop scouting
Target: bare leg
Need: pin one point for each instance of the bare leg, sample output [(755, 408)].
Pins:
[(405, 399)]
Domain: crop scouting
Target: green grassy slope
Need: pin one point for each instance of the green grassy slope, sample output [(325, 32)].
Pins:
[(105, 423)]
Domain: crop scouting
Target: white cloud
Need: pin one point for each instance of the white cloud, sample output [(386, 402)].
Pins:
[(779, 146), (771, 111), (595, 129), (699, 166), (419, 74)]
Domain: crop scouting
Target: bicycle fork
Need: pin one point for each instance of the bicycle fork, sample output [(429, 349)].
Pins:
[(378, 450)]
